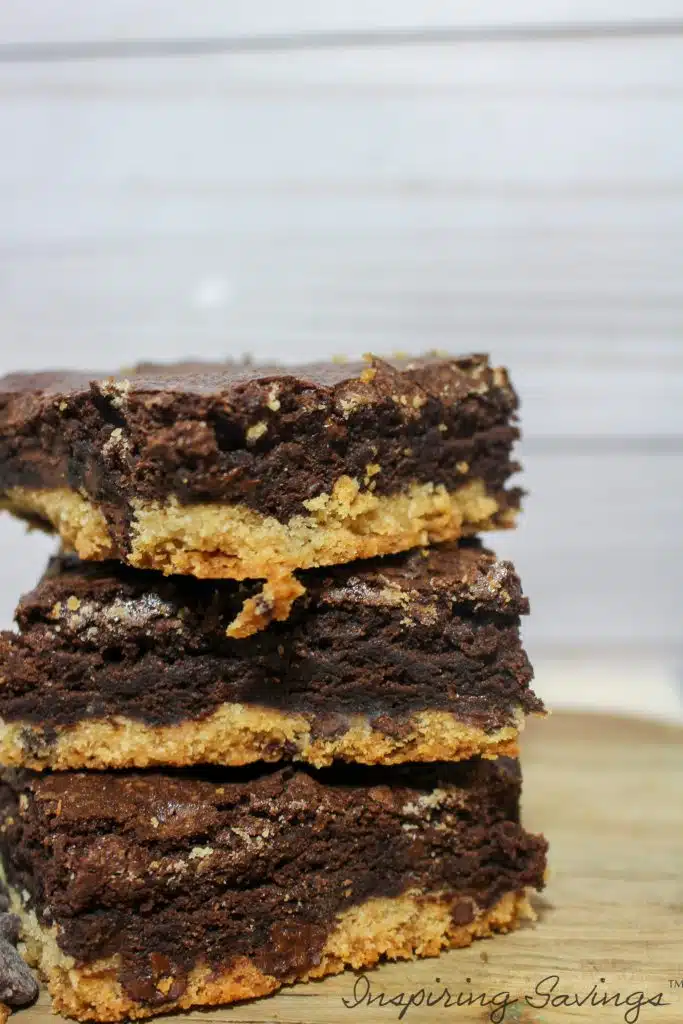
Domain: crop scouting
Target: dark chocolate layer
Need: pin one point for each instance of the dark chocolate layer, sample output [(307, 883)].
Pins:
[(429, 629), (264, 436), (253, 863)]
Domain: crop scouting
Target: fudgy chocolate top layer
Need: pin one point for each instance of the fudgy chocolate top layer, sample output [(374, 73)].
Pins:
[(421, 582), (268, 437), (254, 863), (229, 378), (426, 629)]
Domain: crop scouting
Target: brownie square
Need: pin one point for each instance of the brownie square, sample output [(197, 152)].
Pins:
[(412, 657), (143, 892)]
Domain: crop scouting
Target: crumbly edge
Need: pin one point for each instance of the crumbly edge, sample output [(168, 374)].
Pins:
[(272, 604), (415, 924), (76, 520), (237, 734), (232, 541)]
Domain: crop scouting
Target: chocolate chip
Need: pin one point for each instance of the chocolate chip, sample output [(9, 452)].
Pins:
[(10, 925), (463, 912), (393, 725), (177, 988), (329, 726), (18, 986), (156, 981), (35, 742), (294, 946)]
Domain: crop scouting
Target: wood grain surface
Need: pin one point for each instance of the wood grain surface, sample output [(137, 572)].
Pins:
[(607, 793)]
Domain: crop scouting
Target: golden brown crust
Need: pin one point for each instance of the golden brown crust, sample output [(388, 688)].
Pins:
[(238, 734), (273, 604), (79, 523), (404, 927), (233, 541)]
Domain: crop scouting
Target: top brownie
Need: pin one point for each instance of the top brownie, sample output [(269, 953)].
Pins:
[(267, 437), (237, 470)]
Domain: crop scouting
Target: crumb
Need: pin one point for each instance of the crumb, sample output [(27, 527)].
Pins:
[(258, 430)]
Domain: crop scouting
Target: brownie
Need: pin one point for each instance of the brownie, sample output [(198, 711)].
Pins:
[(416, 656), (140, 892), (243, 471), (267, 437)]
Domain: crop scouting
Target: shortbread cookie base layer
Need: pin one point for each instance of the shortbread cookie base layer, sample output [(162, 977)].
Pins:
[(415, 924), (236, 735), (233, 541)]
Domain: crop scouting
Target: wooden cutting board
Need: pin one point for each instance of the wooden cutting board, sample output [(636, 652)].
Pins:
[(608, 793)]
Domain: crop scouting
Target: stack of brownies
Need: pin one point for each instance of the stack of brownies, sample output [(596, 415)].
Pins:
[(254, 727)]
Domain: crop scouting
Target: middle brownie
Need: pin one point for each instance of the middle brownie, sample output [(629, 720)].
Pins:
[(414, 657)]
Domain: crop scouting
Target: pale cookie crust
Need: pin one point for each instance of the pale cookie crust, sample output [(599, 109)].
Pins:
[(233, 541), (415, 924), (237, 734)]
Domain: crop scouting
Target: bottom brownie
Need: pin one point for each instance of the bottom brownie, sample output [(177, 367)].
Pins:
[(142, 892)]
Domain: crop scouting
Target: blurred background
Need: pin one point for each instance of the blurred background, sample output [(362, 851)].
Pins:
[(294, 179)]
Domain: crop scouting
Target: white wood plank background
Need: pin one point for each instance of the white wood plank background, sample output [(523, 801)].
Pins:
[(315, 179), (67, 21)]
